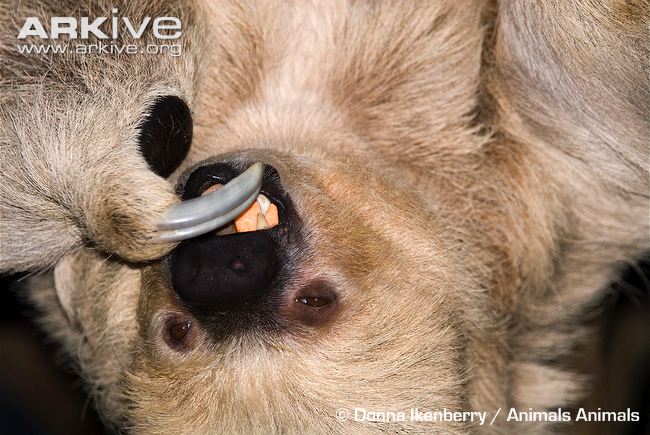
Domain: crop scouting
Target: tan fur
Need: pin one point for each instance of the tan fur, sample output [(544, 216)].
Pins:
[(472, 176)]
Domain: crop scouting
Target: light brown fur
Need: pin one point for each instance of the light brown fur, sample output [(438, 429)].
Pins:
[(471, 176)]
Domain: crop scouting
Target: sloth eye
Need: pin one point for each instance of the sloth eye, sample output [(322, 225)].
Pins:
[(313, 301), (316, 304), (179, 331), (166, 134)]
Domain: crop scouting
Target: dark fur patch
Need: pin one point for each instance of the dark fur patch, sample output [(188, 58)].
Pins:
[(166, 135)]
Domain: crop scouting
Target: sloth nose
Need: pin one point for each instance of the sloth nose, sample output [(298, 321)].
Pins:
[(233, 267), (224, 273)]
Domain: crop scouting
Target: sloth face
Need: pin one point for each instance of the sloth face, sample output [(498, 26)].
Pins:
[(435, 211), (305, 317), (365, 291)]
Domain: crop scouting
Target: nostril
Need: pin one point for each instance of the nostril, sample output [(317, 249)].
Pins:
[(238, 265)]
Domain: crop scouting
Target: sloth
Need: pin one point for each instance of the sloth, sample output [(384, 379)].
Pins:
[(456, 183)]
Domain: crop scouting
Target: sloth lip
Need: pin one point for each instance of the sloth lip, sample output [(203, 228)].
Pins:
[(206, 213)]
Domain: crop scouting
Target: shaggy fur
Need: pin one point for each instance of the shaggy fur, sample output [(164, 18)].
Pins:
[(471, 175)]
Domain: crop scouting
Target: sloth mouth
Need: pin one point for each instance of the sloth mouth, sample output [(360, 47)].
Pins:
[(199, 215), (262, 214), (214, 199)]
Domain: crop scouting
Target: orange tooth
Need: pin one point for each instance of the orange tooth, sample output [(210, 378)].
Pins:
[(247, 221)]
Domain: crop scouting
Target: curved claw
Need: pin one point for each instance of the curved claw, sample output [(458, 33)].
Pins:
[(211, 225), (203, 214)]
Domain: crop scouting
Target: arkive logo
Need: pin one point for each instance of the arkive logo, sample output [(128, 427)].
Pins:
[(112, 27)]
